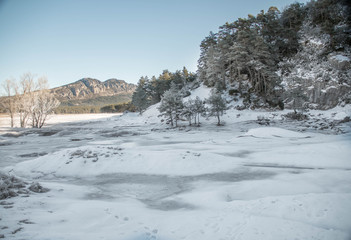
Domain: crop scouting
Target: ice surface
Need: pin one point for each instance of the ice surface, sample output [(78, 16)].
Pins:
[(61, 118), (132, 177)]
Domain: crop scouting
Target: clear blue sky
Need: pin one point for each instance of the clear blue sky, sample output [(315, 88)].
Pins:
[(67, 40)]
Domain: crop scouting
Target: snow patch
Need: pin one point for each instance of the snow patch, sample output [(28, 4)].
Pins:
[(202, 92), (268, 132), (340, 58)]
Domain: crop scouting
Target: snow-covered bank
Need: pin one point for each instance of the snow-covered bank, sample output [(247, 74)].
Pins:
[(132, 177)]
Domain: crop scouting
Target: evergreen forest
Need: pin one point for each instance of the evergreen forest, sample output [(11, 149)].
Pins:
[(297, 58)]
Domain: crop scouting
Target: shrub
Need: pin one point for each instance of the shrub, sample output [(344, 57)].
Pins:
[(296, 116)]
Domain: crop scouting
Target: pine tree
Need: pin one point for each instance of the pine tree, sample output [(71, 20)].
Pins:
[(217, 104), (188, 111), (215, 71), (193, 109), (198, 109), (140, 99), (160, 86), (172, 105), (238, 57), (185, 73), (206, 44)]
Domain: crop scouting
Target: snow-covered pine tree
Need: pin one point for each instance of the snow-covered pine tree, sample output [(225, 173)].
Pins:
[(215, 67), (188, 111), (172, 105), (199, 109), (217, 105), (193, 109), (208, 43)]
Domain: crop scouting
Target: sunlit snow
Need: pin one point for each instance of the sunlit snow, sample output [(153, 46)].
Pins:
[(132, 177)]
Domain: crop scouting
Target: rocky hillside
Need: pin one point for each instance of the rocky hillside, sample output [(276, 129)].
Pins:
[(322, 78), (88, 88)]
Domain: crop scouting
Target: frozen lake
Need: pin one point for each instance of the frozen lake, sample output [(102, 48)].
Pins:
[(59, 118), (133, 178)]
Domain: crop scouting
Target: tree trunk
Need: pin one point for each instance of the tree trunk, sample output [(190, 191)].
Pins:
[(171, 119), (239, 77), (12, 122)]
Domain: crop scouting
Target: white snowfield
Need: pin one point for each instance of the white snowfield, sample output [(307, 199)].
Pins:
[(131, 177)]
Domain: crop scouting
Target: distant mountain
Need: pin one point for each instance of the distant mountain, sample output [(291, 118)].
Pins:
[(89, 88), (89, 95)]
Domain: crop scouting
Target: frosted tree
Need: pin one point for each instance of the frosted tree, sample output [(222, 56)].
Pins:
[(171, 105), (298, 99), (32, 100), (199, 109), (9, 103), (193, 109), (217, 106), (215, 71), (43, 103), (26, 98), (237, 57), (188, 111), (205, 46)]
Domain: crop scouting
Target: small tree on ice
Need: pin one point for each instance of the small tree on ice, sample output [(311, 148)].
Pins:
[(193, 109), (43, 103), (172, 105), (188, 110), (199, 109), (217, 104)]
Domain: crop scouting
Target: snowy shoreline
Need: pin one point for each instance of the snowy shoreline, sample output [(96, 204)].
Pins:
[(60, 118)]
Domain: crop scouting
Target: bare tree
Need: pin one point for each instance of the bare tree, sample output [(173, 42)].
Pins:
[(43, 103), (9, 102), (32, 100), (26, 98)]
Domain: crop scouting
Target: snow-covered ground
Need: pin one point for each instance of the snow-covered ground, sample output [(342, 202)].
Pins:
[(133, 178)]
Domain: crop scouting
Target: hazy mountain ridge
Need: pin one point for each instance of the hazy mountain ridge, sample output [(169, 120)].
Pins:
[(87, 88)]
